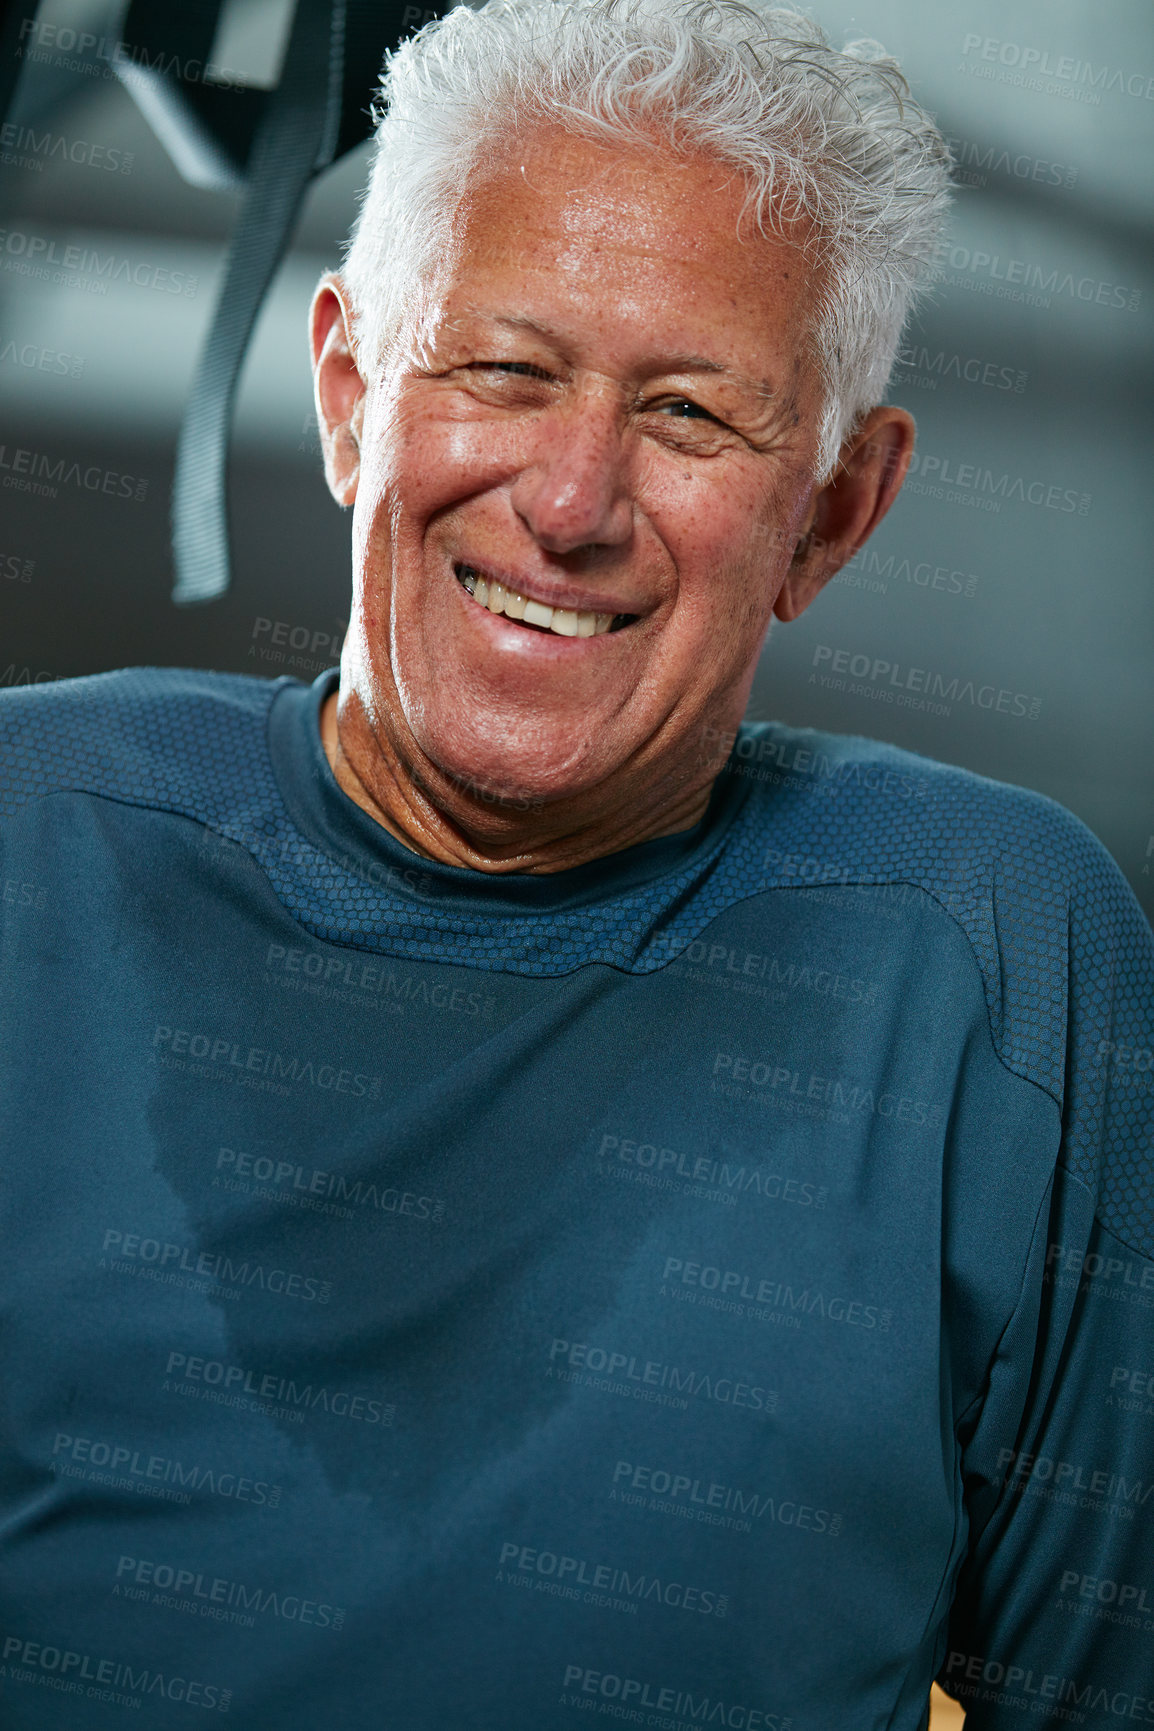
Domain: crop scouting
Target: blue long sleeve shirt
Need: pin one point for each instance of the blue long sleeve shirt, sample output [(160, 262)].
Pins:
[(712, 1286)]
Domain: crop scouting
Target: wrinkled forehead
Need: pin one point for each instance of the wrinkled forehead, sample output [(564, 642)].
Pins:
[(629, 240), (681, 198)]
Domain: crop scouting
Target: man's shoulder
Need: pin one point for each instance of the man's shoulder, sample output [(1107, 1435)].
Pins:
[(159, 736), (869, 811), (1046, 912)]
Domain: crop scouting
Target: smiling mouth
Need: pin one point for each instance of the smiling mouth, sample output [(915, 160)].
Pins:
[(534, 615)]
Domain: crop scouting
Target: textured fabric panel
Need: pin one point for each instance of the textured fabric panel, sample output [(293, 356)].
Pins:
[(1036, 894)]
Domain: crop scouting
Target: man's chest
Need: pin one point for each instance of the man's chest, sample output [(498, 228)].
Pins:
[(627, 1311)]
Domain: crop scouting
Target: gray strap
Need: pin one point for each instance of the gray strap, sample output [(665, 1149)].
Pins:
[(297, 134)]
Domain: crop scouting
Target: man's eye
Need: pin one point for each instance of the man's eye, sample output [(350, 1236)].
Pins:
[(520, 369), (684, 409)]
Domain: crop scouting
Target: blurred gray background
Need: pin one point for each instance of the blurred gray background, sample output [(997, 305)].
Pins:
[(1011, 578)]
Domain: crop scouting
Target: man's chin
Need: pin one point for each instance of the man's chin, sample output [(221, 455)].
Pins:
[(509, 779)]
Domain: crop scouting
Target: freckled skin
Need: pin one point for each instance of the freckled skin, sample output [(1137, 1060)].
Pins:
[(605, 399)]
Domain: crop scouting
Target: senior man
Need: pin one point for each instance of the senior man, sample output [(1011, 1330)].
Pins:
[(519, 1212)]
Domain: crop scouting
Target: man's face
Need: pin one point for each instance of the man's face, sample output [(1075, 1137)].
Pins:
[(606, 409)]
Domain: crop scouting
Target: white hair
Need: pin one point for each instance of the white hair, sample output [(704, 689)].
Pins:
[(831, 139)]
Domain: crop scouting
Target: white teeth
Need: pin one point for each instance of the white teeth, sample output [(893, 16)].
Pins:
[(563, 620), (536, 614)]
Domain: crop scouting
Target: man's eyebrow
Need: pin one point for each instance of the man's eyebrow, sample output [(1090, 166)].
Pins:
[(702, 364), (688, 363)]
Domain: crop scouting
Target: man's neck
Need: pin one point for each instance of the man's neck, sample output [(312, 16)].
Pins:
[(494, 834)]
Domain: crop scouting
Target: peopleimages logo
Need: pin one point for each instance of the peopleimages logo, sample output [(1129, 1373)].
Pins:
[(216, 1597), (1026, 1470), (766, 758), (1106, 1592), (726, 961), (15, 569), (34, 358), (733, 1284), (642, 1378), (973, 478), (1034, 284), (1075, 1263), (36, 255), (292, 645), (115, 1463), (568, 1575), (873, 571), (975, 162), (96, 56), (324, 974), (877, 678), (1138, 1382), (714, 1503), (926, 366), (1022, 1684), (1032, 65), (841, 1094), (712, 1178), (1126, 1058), (133, 1253), (13, 675), (24, 895), (633, 1692), (210, 1053), (37, 472), (282, 1178), (23, 147), (56, 1664), (233, 1382)]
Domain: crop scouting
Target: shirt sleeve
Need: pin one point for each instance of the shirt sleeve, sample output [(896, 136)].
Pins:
[(1053, 1613)]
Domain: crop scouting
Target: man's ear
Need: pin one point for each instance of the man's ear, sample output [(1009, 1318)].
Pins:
[(338, 388), (846, 511)]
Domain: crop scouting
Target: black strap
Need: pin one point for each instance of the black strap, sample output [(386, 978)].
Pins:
[(268, 142), (320, 110), (206, 129), (297, 134), (13, 28)]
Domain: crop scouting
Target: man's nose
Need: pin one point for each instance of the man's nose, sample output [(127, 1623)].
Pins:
[(574, 490)]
